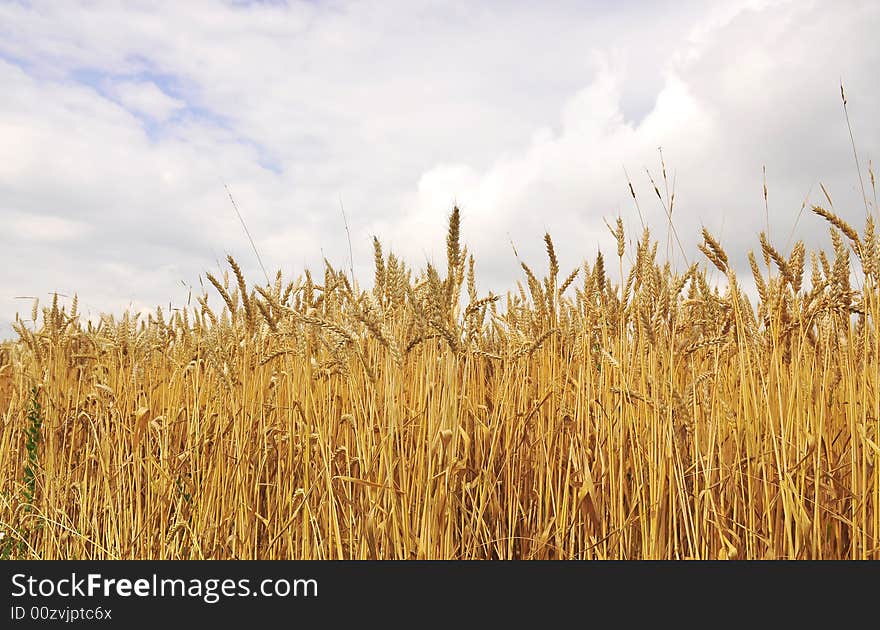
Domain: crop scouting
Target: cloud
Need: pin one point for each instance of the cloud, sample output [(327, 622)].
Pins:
[(121, 126), (749, 88), (145, 98), (46, 229)]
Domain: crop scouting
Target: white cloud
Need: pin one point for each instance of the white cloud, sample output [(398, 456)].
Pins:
[(746, 96), (46, 229), (145, 98)]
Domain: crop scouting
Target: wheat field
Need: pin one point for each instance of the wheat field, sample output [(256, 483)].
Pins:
[(623, 410)]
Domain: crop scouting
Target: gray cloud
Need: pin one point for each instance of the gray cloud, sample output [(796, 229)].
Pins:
[(122, 124)]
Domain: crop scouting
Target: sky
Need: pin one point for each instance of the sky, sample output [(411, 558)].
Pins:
[(124, 123)]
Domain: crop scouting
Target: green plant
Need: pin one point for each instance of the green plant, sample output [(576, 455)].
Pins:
[(31, 467)]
